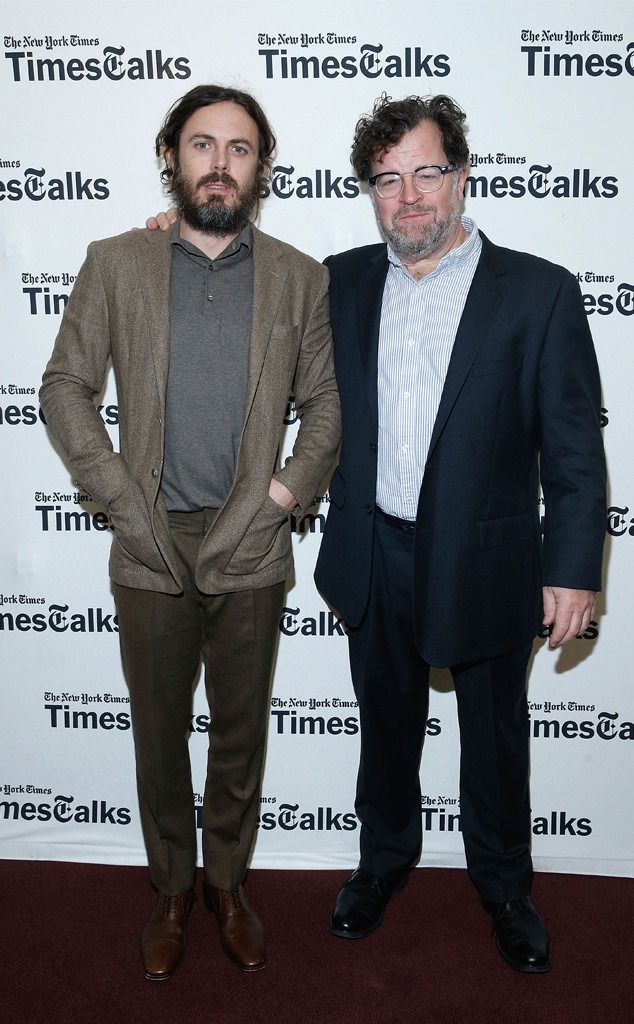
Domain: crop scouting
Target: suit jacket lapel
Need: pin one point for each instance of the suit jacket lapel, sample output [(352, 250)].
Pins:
[(482, 303), (269, 280), (369, 295), (155, 266)]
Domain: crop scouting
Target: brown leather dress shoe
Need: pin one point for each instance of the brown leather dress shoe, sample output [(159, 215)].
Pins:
[(163, 938), (241, 934)]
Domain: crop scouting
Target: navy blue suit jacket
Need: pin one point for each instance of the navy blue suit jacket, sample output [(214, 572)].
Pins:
[(521, 402)]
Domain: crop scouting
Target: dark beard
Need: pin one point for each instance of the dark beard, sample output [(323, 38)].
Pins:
[(212, 216)]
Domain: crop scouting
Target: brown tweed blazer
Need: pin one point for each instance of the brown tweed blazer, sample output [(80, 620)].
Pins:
[(119, 309)]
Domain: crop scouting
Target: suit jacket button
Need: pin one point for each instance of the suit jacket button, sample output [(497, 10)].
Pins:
[(155, 472), (374, 447), (369, 509)]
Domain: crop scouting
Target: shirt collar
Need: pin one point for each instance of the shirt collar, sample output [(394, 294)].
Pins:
[(237, 250)]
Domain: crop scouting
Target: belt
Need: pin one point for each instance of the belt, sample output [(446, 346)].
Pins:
[(405, 525)]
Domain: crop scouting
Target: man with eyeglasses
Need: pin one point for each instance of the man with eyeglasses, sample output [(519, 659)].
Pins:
[(467, 375)]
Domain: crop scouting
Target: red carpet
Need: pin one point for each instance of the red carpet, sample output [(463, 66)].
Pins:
[(69, 948)]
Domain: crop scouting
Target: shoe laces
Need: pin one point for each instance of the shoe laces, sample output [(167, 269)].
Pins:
[(169, 905), (234, 899), (521, 904)]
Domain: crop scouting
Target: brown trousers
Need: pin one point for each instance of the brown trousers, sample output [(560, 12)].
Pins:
[(163, 638)]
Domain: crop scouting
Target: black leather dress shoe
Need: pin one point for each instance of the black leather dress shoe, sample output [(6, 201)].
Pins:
[(361, 903), (521, 935)]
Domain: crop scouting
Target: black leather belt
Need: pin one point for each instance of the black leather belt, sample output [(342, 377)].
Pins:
[(405, 525)]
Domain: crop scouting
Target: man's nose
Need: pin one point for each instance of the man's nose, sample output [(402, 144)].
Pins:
[(410, 193), (218, 160)]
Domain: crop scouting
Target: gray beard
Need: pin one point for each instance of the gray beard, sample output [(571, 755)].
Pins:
[(410, 249)]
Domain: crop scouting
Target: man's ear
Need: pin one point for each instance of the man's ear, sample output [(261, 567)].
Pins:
[(462, 179)]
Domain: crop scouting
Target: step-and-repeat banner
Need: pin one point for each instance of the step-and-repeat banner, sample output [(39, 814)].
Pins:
[(547, 88)]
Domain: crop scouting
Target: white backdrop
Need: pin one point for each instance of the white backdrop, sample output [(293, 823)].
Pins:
[(547, 88)]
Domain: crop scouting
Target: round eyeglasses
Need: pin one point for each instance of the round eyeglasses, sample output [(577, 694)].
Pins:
[(428, 178)]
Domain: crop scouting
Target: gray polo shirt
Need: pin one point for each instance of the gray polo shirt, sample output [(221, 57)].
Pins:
[(211, 310)]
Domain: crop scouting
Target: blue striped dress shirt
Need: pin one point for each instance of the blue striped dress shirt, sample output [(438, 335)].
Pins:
[(419, 320)]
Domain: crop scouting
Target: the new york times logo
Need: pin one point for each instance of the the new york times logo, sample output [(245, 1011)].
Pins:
[(63, 810), (64, 713), (28, 414), (320, 183), (620, 521), (112, 64), (289, 818), (61, 716), (616, 300), (40, 298), (555, 823), (53, 519), (438, 814), (603, 726), (288, 721), (292, 623), (81, 712), (58, 618), (71, 186), (369, 61), (540, 183), (13, 414), (7, 789), (542, 61), (560, 823)]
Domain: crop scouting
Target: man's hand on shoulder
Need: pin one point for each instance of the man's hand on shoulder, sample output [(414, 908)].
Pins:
[(568, 612), (163, 220)]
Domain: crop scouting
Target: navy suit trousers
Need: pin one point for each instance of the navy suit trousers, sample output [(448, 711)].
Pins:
[(391, 683)]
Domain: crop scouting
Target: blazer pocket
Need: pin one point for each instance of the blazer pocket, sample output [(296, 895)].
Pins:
[(284, 340), (506, 530), (133, 528), (281, 353), (285, 331), (264, 542), (487, 367)]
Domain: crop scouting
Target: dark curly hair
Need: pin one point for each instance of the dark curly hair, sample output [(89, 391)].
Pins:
[(205, 96), (391, 119)]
